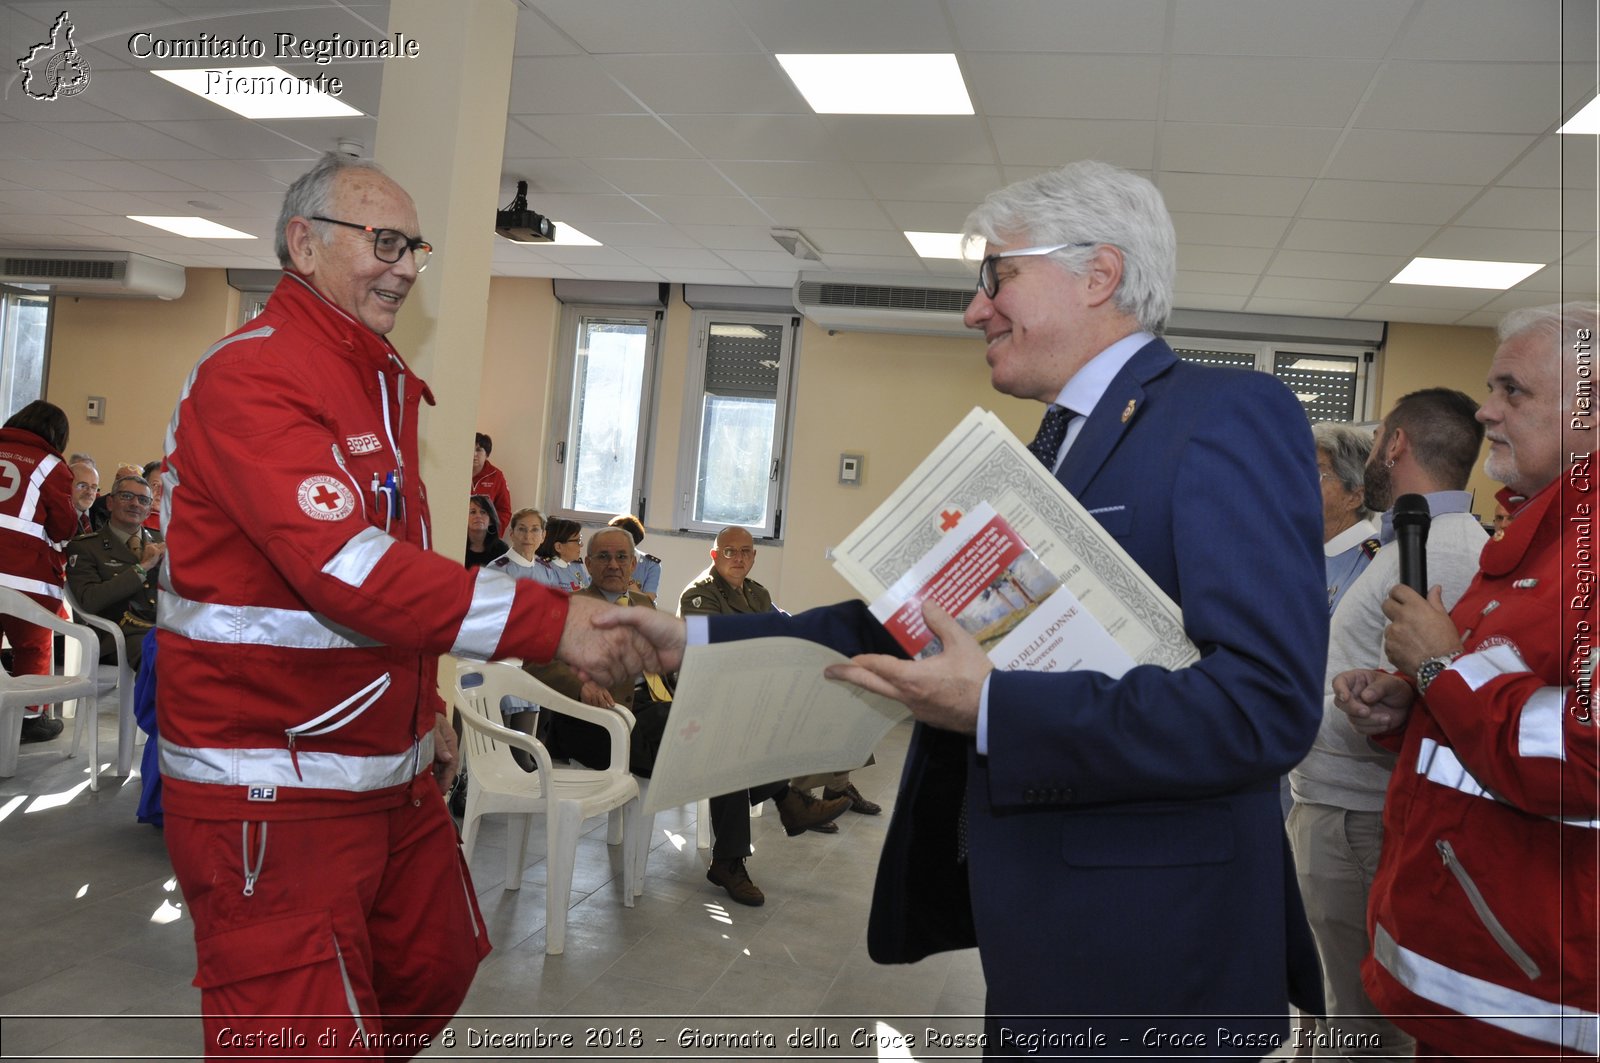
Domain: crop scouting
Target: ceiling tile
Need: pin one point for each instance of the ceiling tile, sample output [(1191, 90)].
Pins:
[(1273, 150), (704, 210), (581, 210), (708, 276), (1355, 28), (1556, 162), (707, 84), (908, 138), (908, 263), (1380, 238), (674, 257), (1081, 86), (1125, 26), (523, 143), (25, 140), (1334, 265), (1301, 91), (1465, 97), (1496, 245), (1201, 301), (859, 242), (845, 25), (218, 175), (671, 177), (1350, 292), (756, 136), (1299, 307), (624, 234), (1211, 259), (1421, 315), (550, 177), (775, 259), (229, 139), (1195, 282), (1569, 280), (606, 26), (927, 217), (825, 179), (1058, 141), (729, 237), (632, 136), (939, 184), (1425, 295), (566, 85), (798, 213), (1219, 194), (1236, 230), (1386, 201), (1484, 29)]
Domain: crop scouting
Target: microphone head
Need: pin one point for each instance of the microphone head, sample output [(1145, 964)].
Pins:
[(1411, 511)]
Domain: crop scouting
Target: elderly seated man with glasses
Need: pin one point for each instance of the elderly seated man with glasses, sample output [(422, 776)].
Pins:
[(112, 572)]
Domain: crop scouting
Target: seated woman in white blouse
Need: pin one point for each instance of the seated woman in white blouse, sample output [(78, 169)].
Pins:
[(561, 554), (520, 561)]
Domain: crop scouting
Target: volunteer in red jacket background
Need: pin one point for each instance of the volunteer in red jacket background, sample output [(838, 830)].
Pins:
[(1482, 915), (36, 516)]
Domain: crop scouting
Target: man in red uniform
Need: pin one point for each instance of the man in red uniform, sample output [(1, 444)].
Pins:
[(301, 614), (1482, 915), (36, 514), (488, 480)]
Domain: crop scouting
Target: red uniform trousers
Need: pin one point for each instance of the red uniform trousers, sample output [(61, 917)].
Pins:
[(341, 937)]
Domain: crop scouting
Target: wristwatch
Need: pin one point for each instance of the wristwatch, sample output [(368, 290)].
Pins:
[(1429, 670)]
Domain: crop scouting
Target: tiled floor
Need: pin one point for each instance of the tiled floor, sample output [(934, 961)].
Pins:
[(98, 952)]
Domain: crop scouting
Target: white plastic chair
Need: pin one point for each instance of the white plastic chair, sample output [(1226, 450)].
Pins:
[(119, 679), (496, 784), (17, 692)]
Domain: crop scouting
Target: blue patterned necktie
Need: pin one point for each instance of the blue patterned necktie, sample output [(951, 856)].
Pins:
[(1052, 430)]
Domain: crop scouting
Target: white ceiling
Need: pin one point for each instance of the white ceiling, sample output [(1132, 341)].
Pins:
[(1307, 148)]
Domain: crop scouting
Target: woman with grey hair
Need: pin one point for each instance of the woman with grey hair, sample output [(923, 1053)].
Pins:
[(1349, 539)]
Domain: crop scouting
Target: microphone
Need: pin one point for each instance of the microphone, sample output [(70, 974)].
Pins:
[(1411, 520)]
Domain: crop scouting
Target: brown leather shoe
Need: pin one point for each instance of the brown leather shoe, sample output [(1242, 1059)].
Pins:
[(800, 811), (731, 876), (857, 802)]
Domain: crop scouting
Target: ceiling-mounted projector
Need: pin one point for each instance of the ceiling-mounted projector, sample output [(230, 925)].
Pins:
[(520, 225)]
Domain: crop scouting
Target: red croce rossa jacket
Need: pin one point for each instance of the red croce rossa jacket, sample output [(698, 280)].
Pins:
[(1483, 914), (302, 609), (36, 512)]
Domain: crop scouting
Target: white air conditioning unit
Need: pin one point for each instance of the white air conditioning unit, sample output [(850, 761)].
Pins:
[(121, 274), (921, 305)]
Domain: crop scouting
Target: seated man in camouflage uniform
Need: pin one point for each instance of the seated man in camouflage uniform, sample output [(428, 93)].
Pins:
[(112, 572)]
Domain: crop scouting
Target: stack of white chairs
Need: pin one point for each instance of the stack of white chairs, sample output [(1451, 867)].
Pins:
[(19, 691)]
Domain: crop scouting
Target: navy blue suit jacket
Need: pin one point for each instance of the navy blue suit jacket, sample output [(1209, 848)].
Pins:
[(1125, 840)]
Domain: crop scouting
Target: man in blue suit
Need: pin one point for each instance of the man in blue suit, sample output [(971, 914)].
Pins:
[(1124, 872)]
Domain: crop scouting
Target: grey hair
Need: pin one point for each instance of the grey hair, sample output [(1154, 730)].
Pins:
[(1347, 450), (1092, 202), (309, 196), (116, 485), (1556, 322)]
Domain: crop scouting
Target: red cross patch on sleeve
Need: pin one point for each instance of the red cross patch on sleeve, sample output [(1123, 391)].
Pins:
[(325, 498)]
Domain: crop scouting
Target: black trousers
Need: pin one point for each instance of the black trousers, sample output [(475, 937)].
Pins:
[(590, 746)]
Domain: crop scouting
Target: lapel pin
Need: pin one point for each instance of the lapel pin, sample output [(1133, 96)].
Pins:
[(1127, 411)]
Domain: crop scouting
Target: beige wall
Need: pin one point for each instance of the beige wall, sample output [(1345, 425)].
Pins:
[(1427, 356), (137, 354), (886, 397)]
